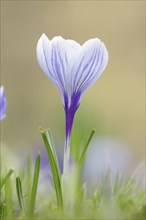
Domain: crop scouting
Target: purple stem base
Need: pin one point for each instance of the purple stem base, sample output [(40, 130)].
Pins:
[(69, 117)]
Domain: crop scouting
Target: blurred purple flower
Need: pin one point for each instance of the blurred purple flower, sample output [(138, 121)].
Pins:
[(3, 103), (73, 68)]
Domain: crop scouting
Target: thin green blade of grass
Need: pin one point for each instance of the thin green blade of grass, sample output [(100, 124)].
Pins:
[(2, 183), (3, 211), (20, 195), (50, 140), (8, 192), (29, 178), (85, 147), (34, 185), (54, 166), (80, 190)]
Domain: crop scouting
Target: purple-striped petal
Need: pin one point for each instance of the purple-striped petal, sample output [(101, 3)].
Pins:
[(54, 57), (3, 103), (44, 57), (88, 65)]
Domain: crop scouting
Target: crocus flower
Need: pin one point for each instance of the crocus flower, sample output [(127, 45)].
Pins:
[(73, 68), (3, 103)]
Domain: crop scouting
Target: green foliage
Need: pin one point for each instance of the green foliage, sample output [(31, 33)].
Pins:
[(34, 186), (113, 197), (46, 135), (4, 180), (3, 211), (82, 157), (20, 195)]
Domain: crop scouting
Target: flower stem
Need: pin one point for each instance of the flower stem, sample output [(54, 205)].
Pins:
[(66, 155), (69, 116)]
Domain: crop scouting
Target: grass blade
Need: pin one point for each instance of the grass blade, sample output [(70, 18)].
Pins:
[(85, 147), (54, 165), (50, 139), (3, 211), (34, 185), (20, 195), (2, 183), (8, 192)]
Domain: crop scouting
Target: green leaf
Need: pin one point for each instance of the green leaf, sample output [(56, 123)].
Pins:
[(34, 185), (2, 183), (85, 147), (3, 211), (51, 143), (29, 178), (46, 135), (20, 194), (8, 186)]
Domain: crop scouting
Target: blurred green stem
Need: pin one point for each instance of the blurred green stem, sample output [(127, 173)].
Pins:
[(66, 156), (2, 183)]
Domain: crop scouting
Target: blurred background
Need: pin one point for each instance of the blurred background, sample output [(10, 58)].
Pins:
[(114, 106)]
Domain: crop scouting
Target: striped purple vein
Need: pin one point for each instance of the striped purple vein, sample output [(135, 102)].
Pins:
[(57, 64), (100, 66), (48, 68), (91, 78), (88, 74), (78, 71)]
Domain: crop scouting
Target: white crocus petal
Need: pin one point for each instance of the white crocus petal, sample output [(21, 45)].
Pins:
[(40, 53), (43, 50), (74, 45), (63, 51), (88, 65), (75, 49), (53, 57)]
